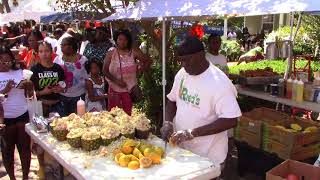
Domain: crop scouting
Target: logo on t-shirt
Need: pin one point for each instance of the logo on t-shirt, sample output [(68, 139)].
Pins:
[(48, 78), (186, 96)]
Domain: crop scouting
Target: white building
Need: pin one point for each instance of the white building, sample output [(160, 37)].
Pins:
[(266, 22)]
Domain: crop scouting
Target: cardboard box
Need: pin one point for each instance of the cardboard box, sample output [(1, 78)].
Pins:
[(302, 170)]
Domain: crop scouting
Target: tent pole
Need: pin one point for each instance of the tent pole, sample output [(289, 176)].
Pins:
[(225, 28), (289, 66), (164, 82)]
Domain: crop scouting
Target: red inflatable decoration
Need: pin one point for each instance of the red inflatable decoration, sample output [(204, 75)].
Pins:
[(87, 24), (197, 30)]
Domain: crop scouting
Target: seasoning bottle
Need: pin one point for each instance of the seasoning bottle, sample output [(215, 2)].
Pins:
[(299, 93), (289, 88), (294, 89), (81, 107), (281, 88)]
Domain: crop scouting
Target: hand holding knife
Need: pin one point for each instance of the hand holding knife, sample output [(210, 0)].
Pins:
[(166, 132)]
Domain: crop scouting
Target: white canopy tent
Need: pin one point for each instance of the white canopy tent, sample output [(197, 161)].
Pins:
[(190, 9), (199, 9), (28, 9)]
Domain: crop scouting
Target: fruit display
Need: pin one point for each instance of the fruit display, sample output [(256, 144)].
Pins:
[(99, 128), (74, 137), (110, 133), (91, 139), (137, 154), (143, 126), (60, 130), (267, 72), (296, 128)]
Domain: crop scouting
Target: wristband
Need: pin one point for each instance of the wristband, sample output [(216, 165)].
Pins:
[(190, 132)]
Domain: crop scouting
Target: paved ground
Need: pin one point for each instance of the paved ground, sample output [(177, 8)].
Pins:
[(33, 168), (230, 169)]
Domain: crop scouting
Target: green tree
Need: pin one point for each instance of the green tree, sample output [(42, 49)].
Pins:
[(311, 24)]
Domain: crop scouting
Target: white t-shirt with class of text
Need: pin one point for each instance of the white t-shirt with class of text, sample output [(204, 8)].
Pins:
[(75, 76), (201, 100), (16, 104)]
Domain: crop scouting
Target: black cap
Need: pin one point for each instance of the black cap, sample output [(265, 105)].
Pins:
[(190, 45)]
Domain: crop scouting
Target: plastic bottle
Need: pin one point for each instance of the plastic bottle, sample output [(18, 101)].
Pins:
[(289, 88), (81, 107), (294, 89), (281, 86), (299, 93)]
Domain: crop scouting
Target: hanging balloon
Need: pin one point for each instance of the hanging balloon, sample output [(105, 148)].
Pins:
[(87, 24), (97, 24), (157, 32), (197, 30)]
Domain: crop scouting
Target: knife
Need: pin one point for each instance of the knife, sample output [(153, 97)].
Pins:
[(165, 146)]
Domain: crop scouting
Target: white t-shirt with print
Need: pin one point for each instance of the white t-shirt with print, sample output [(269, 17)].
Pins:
[(75, 76), (16, 104), (201, 100)]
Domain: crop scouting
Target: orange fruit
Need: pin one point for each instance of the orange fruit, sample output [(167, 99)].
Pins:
[(133, 158), (127, 149), (117, 157), (124, 160), (147, 151), (116, 151), (158, 150), (145, 162), (140, 156), (136, 152), (156, 158), (144, 146), (130, 142), (133, 165)]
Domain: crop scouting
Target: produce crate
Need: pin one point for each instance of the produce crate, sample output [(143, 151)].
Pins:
[(296, 153), (248, 137), (258, 80), (291, 139), (294, 145), (250, 126)]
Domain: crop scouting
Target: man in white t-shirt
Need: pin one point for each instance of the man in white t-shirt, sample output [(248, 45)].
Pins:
[(213, 56), (232, 35), (203, 103)]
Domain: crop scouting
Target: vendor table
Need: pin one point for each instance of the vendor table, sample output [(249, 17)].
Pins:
[(266, 96), (178, 163)]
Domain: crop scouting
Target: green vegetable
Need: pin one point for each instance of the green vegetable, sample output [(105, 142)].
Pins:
[(278, 66)]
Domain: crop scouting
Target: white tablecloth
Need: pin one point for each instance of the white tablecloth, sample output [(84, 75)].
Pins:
[(178, 163)]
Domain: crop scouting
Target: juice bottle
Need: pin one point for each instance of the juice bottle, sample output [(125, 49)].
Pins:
[(294, 89), (299, 93), (81, 107), (289, 88)]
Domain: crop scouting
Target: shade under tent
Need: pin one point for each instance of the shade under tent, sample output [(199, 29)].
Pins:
[(200, 9)]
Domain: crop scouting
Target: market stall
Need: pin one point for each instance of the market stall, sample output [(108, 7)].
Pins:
[(92, 147), (178, 164)]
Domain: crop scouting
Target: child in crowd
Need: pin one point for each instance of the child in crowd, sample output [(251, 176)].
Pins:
[(95, 85)]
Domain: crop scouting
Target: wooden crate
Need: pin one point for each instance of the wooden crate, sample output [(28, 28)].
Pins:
[(291, 139), (249, 127), (248, 137), (295, 153)]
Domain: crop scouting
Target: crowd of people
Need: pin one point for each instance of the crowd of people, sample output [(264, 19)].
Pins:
[(102, 71), (66, 67)]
